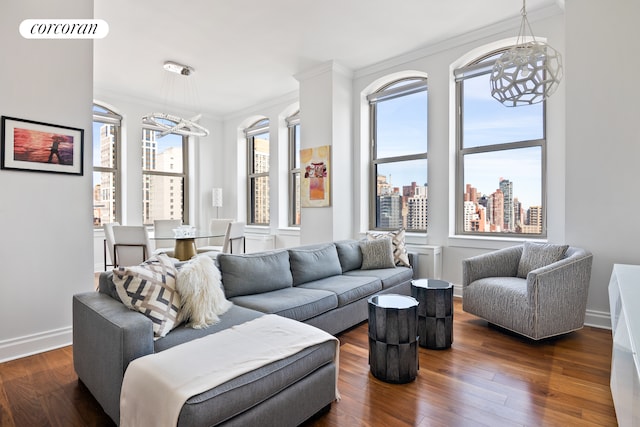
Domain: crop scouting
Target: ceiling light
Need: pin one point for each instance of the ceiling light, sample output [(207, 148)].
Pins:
[(170, 123), (527, 73), (174, 67)]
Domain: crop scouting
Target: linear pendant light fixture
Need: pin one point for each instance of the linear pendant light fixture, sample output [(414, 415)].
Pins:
[(170, 123), (527, 73)]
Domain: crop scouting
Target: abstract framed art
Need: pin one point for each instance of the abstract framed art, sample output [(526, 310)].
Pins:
[(315, 188), (41, 147)]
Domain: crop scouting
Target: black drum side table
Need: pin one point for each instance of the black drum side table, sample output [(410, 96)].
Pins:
[(435, 312), (393, 340)]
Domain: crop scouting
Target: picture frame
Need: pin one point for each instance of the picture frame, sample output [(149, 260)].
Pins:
[(315, 177), (33, 146)]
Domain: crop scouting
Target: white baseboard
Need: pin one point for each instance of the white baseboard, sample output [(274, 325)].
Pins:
[(598, 319), (16, 348)]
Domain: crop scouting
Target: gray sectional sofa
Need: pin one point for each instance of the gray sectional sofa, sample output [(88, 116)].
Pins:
[(321, 285)]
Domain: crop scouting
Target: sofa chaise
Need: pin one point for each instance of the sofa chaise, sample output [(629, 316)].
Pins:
[(322, 285)]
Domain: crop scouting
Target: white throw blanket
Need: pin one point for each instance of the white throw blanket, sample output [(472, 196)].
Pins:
[(156, 386)]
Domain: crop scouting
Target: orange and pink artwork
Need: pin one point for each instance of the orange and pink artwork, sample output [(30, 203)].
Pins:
[(315, 188), (40, 147)]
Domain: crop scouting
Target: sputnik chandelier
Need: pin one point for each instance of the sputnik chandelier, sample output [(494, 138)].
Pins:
[(527, 73), (170, 123)]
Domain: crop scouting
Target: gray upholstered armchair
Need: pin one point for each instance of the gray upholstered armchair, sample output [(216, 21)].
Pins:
[(542, 302)]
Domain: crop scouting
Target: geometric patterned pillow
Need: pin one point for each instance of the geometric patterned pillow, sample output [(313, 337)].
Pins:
[(150, 288), (400, 255)]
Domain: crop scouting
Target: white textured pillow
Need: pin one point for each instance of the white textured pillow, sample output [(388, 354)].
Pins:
[(150, 288), (400, 254), (203, 299)]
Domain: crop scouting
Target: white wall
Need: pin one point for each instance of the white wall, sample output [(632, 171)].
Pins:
[(45, 219), (603, 137)]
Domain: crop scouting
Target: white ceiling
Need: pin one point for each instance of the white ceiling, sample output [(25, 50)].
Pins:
[(245, 52)]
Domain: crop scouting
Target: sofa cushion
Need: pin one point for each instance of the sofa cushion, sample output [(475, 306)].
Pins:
[(183, 333), (257, 273), (150, 288), (536, 255), (400, 254), (347, 288), (233, 398), (350, 254), (389, 276), (313, 264), (377, 253), (295, 303)]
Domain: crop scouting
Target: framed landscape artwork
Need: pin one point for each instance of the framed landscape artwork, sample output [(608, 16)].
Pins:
[(41, 147), (315, 185)]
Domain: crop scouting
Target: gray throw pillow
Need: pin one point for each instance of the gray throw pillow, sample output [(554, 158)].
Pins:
[(536, 255), (377, 254), (313, 264)]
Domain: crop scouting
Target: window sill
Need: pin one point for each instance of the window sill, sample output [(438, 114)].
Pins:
[(486, 242)]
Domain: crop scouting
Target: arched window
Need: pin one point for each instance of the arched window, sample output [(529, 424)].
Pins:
[(106, 161), (399, 155), (501, 159), (293, 126), (257, 136)]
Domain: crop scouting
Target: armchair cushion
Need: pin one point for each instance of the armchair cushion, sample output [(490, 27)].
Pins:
[(536, 255)]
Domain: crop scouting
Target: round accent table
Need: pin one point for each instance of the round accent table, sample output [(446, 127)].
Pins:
[(435, 312), (393, 341)]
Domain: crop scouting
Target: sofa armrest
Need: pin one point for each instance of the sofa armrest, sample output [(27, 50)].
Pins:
[(500, 263), (106, 337), (413, 260)]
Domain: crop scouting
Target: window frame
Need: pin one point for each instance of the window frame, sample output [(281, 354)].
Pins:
[(259, 127), (480, 66), (184, 175), (293, 123), (384, 93), (112, 118)]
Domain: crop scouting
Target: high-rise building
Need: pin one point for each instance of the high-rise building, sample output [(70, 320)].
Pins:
[(506, 187), (389, 211), (497, 211), (417, 209), (534, 220)]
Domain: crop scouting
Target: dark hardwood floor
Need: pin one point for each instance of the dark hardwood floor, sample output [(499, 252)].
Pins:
[(488, 378)]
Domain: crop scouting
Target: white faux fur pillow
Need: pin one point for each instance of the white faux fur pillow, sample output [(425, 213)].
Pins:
[(202, 296)]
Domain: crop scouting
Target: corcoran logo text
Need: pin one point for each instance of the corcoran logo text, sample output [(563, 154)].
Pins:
[(64, 28)]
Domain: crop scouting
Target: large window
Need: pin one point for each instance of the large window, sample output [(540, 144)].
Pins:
[(501, 159), (293, 125), (399, 156), (106, 146), (164, 176), (258, 172)]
